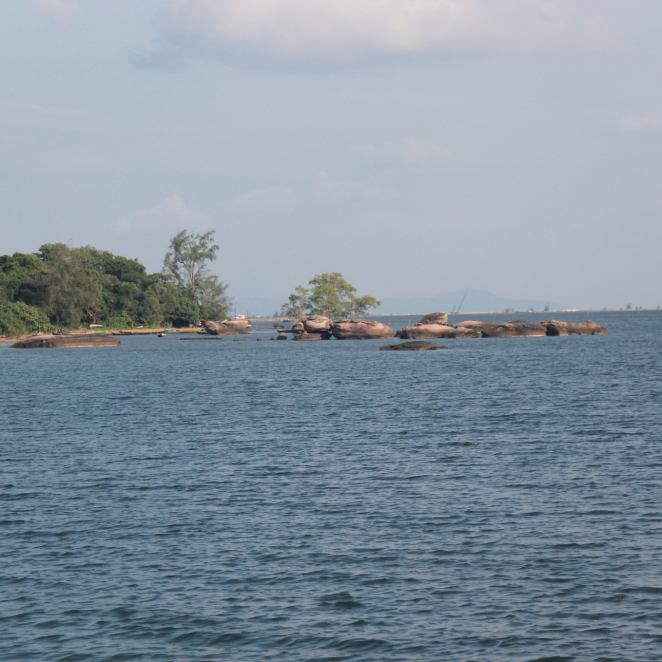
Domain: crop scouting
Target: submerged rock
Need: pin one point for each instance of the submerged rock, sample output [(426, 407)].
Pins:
[(227, 327), (50, 342), (588, 328), (361, 330), (414, 346)]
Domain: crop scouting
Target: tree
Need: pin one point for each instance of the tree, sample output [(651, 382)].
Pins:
[(187, 262), (64, 286), (331, 296), (188, 257)]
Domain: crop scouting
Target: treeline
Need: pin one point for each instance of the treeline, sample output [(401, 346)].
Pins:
[(60, 286)]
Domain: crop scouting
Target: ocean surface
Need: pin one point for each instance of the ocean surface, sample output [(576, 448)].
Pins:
[(176, 500)]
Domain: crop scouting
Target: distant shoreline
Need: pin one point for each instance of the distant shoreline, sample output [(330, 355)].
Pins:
[(498, 312)]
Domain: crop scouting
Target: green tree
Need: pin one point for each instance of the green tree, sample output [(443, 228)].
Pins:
[(64, 286), (186, 262), (331, 295), (17, 318)]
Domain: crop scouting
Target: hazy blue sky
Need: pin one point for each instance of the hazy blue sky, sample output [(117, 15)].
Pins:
[(416, 146)]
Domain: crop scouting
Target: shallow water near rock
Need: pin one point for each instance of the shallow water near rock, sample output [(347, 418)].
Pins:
[(179, 501)]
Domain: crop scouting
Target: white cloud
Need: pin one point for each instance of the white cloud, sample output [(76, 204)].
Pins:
[(345, 31), (334, 191), (413, 149), (173, 214), (63, 11), (271, 199), (641, 123)]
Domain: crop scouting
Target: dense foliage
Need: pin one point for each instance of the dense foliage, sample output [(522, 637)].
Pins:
[(331, 295), (61, 286)]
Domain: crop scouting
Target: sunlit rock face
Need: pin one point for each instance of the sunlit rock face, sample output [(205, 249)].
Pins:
[(434, 318), (421, 331), (227, 327), (361, 330), (312, 327), (475, 325), (588, 328), (512, 330)]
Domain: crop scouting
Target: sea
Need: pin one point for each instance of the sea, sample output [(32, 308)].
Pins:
[(224, 499)]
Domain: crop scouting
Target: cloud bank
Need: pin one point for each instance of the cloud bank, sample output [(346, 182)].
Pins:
[(276, 32)]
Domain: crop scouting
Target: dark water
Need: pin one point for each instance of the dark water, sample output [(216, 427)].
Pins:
[(180, 500)]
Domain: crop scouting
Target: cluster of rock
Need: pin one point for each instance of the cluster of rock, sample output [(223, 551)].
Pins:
[(433, 325), (227, 327), (318, 327), (436, 325)]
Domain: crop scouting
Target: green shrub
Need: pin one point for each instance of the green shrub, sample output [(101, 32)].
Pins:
[(17, 318)]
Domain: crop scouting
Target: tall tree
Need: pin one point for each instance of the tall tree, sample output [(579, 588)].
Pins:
[(331, 295), (188, 257), (187, 261)]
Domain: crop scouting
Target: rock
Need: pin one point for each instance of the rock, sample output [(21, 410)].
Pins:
[(436, 331), (67, 341), (261, 339), (227, 327), (361, 330), (281, 336), (588, 328), (512, 330), (240, 340), (475, 325), (311, 336), (434, 318), (414, 346), (312, 327)]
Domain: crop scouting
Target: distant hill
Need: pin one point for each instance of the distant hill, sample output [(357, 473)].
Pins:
[(475, 301)]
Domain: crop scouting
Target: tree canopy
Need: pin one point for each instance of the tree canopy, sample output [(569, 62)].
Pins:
[(331, 295)]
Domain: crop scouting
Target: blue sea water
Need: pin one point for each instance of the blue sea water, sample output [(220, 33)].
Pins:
[(176, 500)]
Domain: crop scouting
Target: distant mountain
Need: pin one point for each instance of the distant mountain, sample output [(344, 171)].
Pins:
[(475, 301), (478, 301)]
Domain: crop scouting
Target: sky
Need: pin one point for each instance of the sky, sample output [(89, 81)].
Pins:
[(416, 146)]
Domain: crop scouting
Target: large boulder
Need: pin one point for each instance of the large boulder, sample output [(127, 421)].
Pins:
[(434, 318), (475, 325), (227, 327), (511, 330), (588, 328), (49, 342), (312, 327), (435, 331), (361, 330)]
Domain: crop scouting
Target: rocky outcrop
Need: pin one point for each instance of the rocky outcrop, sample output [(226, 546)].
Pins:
[(414, 346), (227, 327), (436, 331), (475, 325), (77, 341), (312, 327), (361, 330), (281, 336), (511, 330), (434, 318), (588, 328)]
